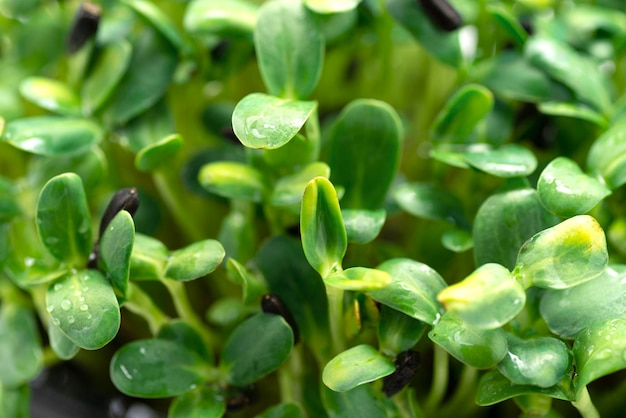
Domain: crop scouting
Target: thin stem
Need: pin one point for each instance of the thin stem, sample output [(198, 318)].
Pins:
[(335, 316), (584, 404), (464, 391), (406, 403), (290, 377), (440, 379), (141, 304)]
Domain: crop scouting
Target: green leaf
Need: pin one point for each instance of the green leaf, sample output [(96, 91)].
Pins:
[(569, 67), (480, 348), (607, 156), (457, 240), (569, 311), (203, 402), (62, 346), (257, 347), (574, 110), (493, 387), (289, 47), (284, 410), (563, 256), (331, 6), (289, 189), (358, 279), (362, 401), (264, 121), (321, 225), (91, 166), (154, 156), (363, 226), (413, 289), (430, 201), (509, 160), (507, 21), (51, 95), (181, 332), (116, 247), (398, 332), (504, 222), (566, 191), (296, 153), (15, 402), (19, 346), (158, 19), (233, 17), (150, 71), (83, 305), (252, 286), (63, 219), (109, 68), (599, 350), (364, 152), (356, 366), (53, 135), (233, 180), (462, 112), (542, 361), (195, 260), (148, 258), (487, 299), (446, 47), (156, 369)]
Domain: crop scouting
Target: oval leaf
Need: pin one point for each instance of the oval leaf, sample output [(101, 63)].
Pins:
[(509, 160), (413, 289), (257, 347), (356, 366), (62, 346), (364, 154), (264, 121), (19, 345), (83, 305), (233, 17), (563, 256), (323, 234), (158, 19), (51, 94), (573, 110), (507, 21), (156, 155), (116, 247), (148, 258), (204, 402), (331, 6), (183, 333), (475, 347), (398, 332), (289, 189), (607, 156), (429, 201), (362, 401), (233, 180), (566, 191), (363, 226), (53, 135), (63, 219), (457, 240), (195, 260), (156, 369), (358, 279), (289, 47)]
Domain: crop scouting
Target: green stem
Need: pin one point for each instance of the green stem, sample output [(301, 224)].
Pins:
[(141, 304), (584, 404), (312, 130), (290, 377), (406, 403), (335, 316), (462, 399), (440, 379), (185, 311)]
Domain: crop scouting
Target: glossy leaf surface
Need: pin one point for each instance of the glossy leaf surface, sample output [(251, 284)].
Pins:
[(462, 112), (504, 222), (607, 156), (566, 191), (116, 247), (181, 332), (195, 260), (363, 226), (331, 6), (156, 369), (290, 189), (148, 258), (203, 402), (475, 347), (156, 155), (565, 255), (234, 17), (569, 311), (429, 201), (542, 361), (264, 121), (398, 332), (19, 345), (62, 346), (599, 350), (494, 387), (252, 285), (158, 19), (356, 366), (457, 240), (573, 110), (321, 226), (83, 305), (487, 299), (257, 347), (53, 135), (361, 401), (289, 47), (364, 152), (509, 160), (63, 219), (358, 279), (233, 180), (51, 95), (507, 21), (413, 289)]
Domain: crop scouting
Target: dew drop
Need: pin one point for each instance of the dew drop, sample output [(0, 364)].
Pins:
[(142, 351), (50, 308), (70, 319), (66, 305), (56, 321), (89, 316), (57, 287), (84, 307)]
